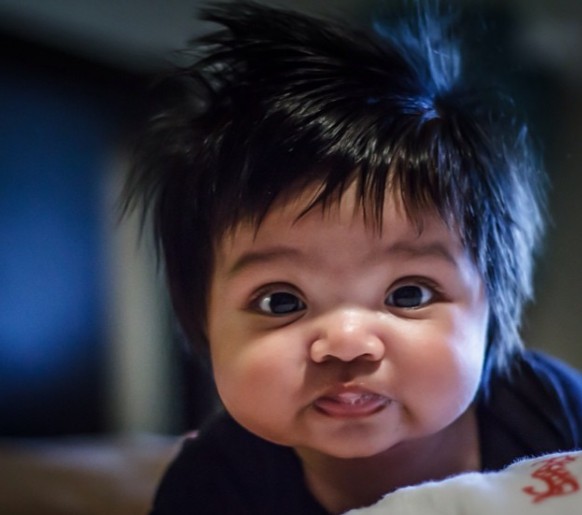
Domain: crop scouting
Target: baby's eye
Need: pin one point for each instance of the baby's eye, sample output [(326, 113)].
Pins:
[(409, 296), (279, 303)]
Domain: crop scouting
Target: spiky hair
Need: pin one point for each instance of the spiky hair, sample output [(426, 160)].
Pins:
[(277, 100)]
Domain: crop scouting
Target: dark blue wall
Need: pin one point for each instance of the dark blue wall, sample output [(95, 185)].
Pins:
[(57, 131)]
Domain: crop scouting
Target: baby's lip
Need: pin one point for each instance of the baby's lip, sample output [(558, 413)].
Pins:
[(350, 402)]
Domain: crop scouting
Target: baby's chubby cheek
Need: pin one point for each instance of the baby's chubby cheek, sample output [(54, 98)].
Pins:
[(248, 371)]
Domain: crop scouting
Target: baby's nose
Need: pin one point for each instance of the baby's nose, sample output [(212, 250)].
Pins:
[(347, 335)]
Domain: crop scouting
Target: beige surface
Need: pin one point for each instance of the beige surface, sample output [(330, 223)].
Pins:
[(82, 476)]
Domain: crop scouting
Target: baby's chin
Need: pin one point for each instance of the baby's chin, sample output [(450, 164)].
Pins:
[(347, 451)]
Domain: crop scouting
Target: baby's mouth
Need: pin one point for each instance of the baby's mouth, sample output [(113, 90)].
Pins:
[(351, 404)]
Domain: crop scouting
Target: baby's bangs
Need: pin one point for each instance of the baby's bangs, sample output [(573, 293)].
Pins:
[(423, 179), (376, 187), (424, 175)]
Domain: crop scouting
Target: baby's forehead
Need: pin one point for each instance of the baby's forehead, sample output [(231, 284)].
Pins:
[(336, 243), (296, 216)]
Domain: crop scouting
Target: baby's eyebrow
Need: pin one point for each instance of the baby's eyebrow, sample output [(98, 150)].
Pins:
[(424, 249), (253, 258), (409, 249)]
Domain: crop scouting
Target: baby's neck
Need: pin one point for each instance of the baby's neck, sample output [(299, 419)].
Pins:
[(343, 484)]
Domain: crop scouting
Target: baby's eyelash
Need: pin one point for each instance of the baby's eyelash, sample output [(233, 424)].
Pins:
[(417, 281)]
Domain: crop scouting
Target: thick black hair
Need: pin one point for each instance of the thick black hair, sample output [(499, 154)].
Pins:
[(276, 100)]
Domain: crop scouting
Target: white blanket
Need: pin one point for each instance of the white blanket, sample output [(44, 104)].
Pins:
[(546, 485)]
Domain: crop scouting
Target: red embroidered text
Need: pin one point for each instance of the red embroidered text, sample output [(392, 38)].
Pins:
[(558, 479)]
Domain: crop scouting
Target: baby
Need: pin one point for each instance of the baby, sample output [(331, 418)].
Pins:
[(348, 230)]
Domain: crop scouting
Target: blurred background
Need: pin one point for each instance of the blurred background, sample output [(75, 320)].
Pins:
[(87, 345)]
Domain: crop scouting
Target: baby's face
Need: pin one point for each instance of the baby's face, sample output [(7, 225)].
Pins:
[(328, 336)]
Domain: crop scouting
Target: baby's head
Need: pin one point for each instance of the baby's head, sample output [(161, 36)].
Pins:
[(278, 106)]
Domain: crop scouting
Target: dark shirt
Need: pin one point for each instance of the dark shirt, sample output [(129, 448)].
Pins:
[(536, 411), (229, 471)]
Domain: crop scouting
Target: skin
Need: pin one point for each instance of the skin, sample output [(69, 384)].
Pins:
[(371, 370)]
